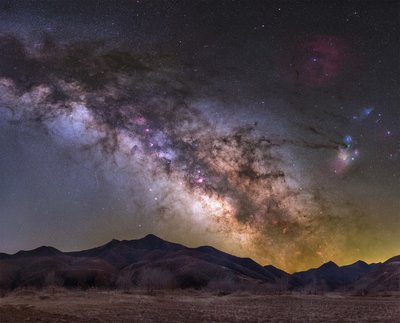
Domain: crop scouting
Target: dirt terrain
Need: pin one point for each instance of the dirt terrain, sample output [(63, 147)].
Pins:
[(191, 306)]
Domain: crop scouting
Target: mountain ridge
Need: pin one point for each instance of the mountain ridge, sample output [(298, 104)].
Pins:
[(196, 267)]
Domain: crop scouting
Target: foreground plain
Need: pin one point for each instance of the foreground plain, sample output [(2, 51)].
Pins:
[(191, 306)]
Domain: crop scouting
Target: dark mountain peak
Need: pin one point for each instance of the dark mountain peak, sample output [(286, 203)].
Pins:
[(271, 267), (149, 241), (43, 251), (276, 271), (331, 276), (112, 243), (393, 259), (152, 238), (329, 266), (358, 264), (152, 242), (207, 249)]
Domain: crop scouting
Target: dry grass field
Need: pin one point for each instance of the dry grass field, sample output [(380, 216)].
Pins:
[(191, 306)]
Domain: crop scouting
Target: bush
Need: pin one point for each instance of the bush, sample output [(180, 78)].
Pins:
[(155, 279), (223, 286), (52, 280), (124, 281)]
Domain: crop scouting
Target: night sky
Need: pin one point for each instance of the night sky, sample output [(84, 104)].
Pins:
[(267, 129)]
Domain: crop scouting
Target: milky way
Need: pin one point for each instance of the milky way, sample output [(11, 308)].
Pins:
[(197, 157)]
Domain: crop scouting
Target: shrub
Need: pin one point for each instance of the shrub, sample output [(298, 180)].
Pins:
[(155, 279), (124, 281)]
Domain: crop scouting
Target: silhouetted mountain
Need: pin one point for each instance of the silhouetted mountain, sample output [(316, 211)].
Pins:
[(152, 250), (42, 251), (280, 274), (129, 263), (329, 277), (122, 253), (102, 266), (383, 278)]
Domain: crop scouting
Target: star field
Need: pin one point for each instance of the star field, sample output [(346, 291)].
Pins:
[(268, 130)]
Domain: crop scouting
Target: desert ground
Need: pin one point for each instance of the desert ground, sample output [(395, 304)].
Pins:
[(191, 306)]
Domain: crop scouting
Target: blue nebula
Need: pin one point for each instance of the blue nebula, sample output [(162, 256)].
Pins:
[(364, 113), (348, 140)]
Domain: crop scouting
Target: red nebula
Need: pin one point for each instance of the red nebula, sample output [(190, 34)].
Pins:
[(140, 121), (320, 60)]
